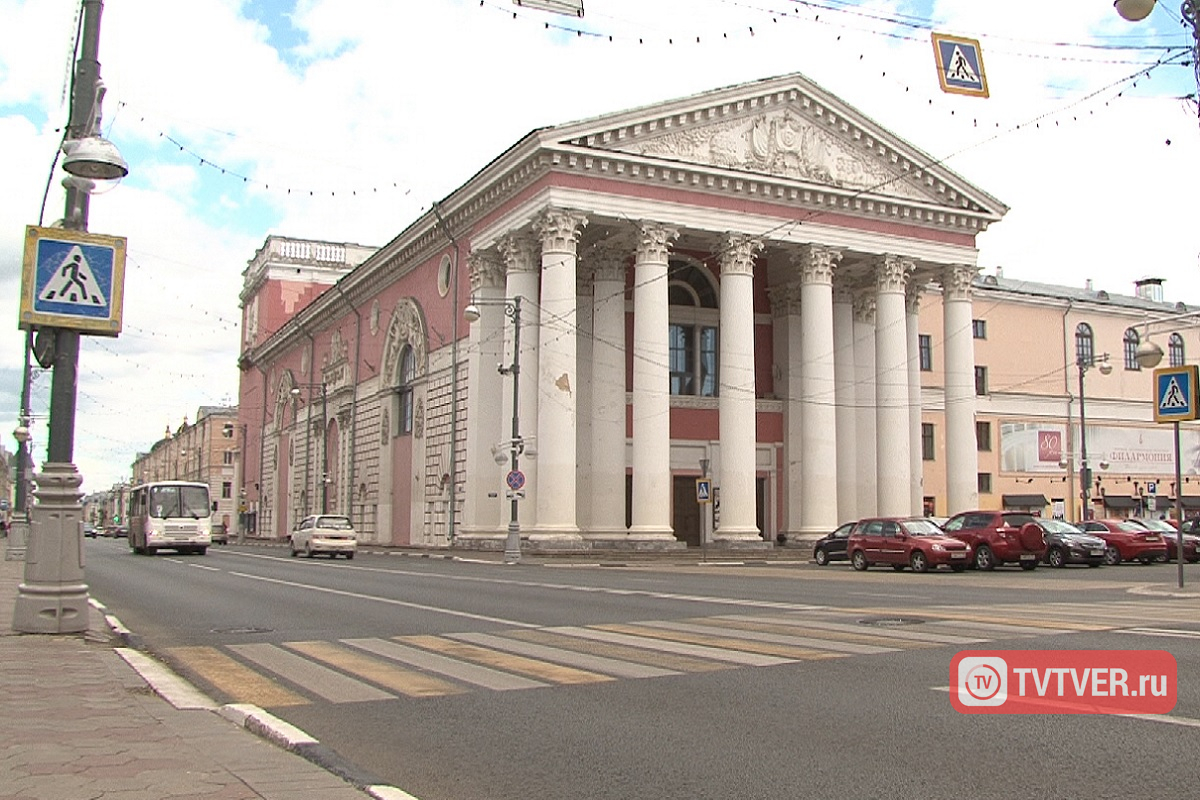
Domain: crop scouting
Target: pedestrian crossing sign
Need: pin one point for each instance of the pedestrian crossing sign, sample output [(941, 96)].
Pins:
[(72, 279), (960, 65), (1175, 393)]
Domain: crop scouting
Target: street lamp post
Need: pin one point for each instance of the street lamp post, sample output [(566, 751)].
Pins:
[(516, 445), (1085, 472)]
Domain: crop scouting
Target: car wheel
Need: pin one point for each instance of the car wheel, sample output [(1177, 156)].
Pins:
[(201, 550), (1112, 556), (292, 547), (349, 556), (859, 560), (918, 562), (308, 551), (821, 557), (1146, 560), (984, 559), (1055, 558), (1028, 566)]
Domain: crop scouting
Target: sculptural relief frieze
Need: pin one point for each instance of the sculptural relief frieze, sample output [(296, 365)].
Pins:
[(786, 144)]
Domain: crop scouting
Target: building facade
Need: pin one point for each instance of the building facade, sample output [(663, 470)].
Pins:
[(205, 451), (729, 285)]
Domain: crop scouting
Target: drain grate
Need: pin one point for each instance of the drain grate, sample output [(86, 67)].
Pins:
[(890, 622)]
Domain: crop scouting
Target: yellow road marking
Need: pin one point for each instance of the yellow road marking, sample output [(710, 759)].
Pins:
[(405, 681), (740, 645), (235, 679), (505, 661)]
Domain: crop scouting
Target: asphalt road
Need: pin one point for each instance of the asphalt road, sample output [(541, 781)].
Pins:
[(685, 681)]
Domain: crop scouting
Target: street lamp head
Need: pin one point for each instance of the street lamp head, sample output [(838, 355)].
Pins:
[(1148, 354), (21, 434), (94, 158), (471, 313), (1104, 464), (1105, 367), (1134, 10), (295, 391)]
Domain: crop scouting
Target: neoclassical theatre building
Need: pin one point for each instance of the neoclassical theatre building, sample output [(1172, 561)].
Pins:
[(728, 286)]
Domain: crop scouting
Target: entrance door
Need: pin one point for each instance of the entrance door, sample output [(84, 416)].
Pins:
[(686, 515)]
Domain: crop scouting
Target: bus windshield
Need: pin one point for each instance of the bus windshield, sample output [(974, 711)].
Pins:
[(179, 501)]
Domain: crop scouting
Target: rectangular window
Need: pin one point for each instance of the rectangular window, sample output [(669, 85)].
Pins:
[(985, 483), (226, 490), (927, 441), (227, 457), (692, 357), (983, 436), (680, 358), (979, 328), (406, 411), (925, 351), (981, 383), (227, 430)]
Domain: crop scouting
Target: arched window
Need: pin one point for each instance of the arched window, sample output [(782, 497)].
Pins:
[(1131, 345), (405, 390), (693, 333), (1175, 355), (1085, 348)]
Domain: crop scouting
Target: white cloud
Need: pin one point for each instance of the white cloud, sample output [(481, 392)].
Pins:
[(399, 103)]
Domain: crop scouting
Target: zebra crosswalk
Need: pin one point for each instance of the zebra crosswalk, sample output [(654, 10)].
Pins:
[(371, 669)]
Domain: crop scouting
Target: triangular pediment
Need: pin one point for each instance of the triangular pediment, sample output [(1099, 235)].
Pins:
[(783, 128)]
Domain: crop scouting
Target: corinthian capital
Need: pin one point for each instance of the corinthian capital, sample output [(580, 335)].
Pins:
[(864, 307), (891, 273), (816, 263), (654, 241), (486, 269), (738, 252), (785, 299), (608, 261), (559, 229), (956, 282), (520, 252)]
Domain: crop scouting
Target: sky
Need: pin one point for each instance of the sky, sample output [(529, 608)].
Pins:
[(342, 120)]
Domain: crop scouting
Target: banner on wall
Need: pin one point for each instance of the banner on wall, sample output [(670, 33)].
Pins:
[(1042, 447)]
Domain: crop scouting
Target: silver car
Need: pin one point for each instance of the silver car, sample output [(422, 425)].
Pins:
[(324, 533)]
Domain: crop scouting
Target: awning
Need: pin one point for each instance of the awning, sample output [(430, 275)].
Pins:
[(1121, 502), (1024, 500), (1192, 503)]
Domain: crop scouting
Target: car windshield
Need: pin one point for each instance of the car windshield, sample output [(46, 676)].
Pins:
[(1057, 526), (922, 527), (1158, 525), (336, 523), (1125, 526)]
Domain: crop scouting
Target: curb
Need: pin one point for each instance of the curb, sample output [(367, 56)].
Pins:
[(1154, 590)]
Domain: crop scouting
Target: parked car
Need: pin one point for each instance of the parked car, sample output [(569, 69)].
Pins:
[(1068, 544), (999, 537), (1191, 542), (89, 530), (1127, 541), (324, 533), (905, 542), (220, 534), (832, 546)]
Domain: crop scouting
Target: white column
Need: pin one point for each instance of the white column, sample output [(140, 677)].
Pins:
[(520, 253), (738, 430), (785, 304), (608, 395), (557, 375), (847, 402), (962, 461), (891, 386), (652, 488), (485, 424), (916, 465), (864, 412), (583, 398), (819, 491)]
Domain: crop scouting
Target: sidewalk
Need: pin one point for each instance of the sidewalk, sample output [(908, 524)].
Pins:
[(77, 722)]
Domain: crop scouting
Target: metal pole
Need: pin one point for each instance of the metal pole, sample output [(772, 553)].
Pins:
[(1085, 474), (54, 597), (512, 543), (308, 449), (1178, 508), (22, 457)]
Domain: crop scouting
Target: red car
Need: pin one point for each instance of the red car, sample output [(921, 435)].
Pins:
[(905, 542), (999, 537), (1170, 535), (1127, 541)]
